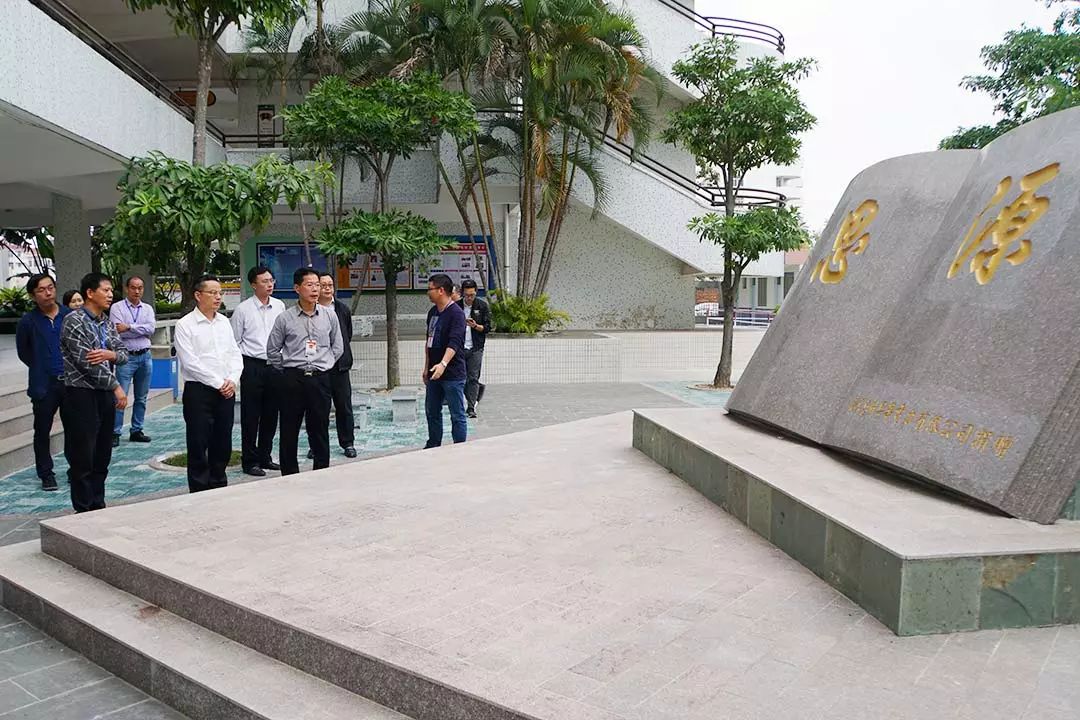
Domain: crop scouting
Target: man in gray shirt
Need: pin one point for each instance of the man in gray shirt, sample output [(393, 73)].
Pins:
[(304, 344)]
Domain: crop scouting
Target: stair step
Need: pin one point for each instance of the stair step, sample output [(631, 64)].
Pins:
[(196, 671), (17, 450), (13, 395), (16, 419)]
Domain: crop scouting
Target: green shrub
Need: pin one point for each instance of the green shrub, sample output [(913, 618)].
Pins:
[(526, 316), (163, 308), (14, 302)]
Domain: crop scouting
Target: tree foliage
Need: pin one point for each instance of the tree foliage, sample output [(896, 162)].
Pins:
[(205, 21), (1031, 73), (398, 238), (172, 214), (748, 236), (749, 113)]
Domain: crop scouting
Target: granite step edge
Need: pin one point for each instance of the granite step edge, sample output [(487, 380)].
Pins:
[(199, 673), (391, 673), (911, 596)]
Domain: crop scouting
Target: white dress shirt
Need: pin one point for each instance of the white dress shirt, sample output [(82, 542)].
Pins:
[(207, 350), (252, 322)]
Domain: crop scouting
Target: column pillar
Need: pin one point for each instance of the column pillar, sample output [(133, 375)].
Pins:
[(71, 240)]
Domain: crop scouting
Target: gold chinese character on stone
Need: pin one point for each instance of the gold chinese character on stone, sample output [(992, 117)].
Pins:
[(852, 238), (1002, 445), (1004, 231)]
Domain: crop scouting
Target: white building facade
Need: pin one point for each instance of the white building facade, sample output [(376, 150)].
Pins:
[(98, 85)]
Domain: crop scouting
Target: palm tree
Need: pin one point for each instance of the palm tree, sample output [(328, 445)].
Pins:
[(267, 59)]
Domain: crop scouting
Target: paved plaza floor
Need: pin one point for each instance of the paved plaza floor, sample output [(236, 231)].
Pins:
[(42, 679)]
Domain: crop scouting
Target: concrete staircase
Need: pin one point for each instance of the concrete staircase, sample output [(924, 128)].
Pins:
[(196, 671), (17, 421)]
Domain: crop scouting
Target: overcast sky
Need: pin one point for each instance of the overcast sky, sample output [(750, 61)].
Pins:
[(887, 78)]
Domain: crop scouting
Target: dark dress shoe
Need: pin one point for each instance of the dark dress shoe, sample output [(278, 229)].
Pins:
[(48, 483), (115, 440), (470, 413), (255, 470), (138, 436), (350, 452), (269, 465)]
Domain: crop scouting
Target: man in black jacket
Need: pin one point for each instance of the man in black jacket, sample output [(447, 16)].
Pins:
[(477, 326), (340, 384)]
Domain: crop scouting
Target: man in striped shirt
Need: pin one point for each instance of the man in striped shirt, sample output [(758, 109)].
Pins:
[(92, 350)]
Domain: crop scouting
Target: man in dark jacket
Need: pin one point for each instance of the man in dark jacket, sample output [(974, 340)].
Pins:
[(37, 339), (477, 326), (340, 384)]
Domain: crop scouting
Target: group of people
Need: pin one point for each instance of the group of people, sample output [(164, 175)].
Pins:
[(288, 364)]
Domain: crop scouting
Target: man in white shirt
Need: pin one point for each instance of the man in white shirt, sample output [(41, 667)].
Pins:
[(252, 321), (210, 364)]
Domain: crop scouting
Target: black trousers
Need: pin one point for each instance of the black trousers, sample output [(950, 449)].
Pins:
[(258, 411), (45, 409), (474, 361), (305, 400), (209, 420), (341, 393), (88, 429)]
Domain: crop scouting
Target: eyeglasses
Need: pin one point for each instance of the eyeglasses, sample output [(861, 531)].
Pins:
[(310, 286), (215, 293)]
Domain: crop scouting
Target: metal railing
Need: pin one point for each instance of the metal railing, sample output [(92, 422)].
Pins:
[(70, 21), (744, 29), (710, 195), (744, 317)]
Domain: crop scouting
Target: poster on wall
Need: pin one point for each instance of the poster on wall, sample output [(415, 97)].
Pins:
[(465, 260), (284, 259), (265, 128), (376, 279)]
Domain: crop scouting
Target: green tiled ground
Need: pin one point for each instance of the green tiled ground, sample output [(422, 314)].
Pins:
[(130, 473)]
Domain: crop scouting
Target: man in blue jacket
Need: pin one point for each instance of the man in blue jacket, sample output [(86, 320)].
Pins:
[(37, 339)]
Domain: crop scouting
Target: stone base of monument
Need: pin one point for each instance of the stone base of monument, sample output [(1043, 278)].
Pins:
[(916, 560)]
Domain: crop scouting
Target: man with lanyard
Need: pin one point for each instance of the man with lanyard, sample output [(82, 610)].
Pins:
[(304, 344), (135, 322), (444, 364), (251, 323), (340, 384), (477, 326), (91, 349), (37, 339)]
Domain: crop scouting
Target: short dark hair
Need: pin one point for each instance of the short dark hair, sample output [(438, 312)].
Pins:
[(301, 273), (442, 281), (203, 279), (69, 296), (32, 283), (468, 284), (257, 271), (326, 273), (127, 283), (92, 281)]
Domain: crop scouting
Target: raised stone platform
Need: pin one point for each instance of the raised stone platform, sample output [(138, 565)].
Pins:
[(566, 577), (917, 561)]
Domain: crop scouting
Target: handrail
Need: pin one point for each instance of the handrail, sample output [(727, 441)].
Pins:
[(67, 18), (709, 194), (745, 29)]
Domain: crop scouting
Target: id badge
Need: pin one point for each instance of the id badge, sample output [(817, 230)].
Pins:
[(309, 349), (430, 340)]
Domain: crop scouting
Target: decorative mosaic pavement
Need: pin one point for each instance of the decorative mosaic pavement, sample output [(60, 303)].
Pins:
[(131, 474)]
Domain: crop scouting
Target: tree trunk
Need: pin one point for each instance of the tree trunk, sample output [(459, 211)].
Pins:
[(728, 286), (526, 210), (393, 378), (463, 211), (198, 141), (487, 210)]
